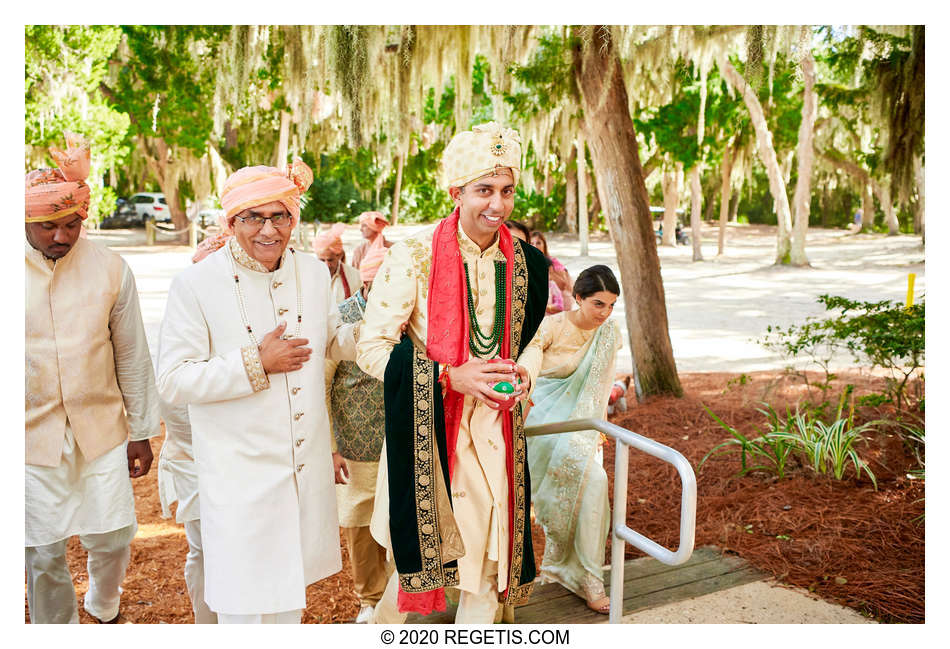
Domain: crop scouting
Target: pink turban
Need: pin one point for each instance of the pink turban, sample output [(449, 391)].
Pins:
[(55, 193), (330, 240), (374, 220), (372, 260), (253, 186), (209, 245)]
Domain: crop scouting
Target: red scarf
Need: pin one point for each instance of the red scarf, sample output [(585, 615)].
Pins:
[(447, 344)]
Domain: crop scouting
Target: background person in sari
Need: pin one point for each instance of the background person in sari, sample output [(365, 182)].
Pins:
[(559, 292), (568, 481)]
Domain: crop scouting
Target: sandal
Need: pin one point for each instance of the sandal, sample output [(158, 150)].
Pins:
[(593, 591)]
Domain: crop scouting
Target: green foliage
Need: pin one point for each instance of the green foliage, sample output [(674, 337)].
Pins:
[(825, 448), (766, 452), (64, 66), (167, 82), (548, 77), (423, 199), (339, 182), (885, 334)]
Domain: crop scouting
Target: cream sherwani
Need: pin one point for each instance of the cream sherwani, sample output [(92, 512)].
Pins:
[(480, 484), (261, 443)]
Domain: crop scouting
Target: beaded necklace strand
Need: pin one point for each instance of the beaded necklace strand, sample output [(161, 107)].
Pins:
[(487, 345), (240, 297)]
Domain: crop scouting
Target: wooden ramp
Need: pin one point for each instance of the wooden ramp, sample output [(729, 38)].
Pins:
[(647, 584)]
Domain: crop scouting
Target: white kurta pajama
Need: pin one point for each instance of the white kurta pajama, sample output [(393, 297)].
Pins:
[(66, 492), (261, 443), (480, 482), (178, 481)]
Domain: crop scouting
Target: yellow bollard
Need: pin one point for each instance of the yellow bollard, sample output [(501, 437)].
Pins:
[(910, 289), (149, 233), (193, 235)]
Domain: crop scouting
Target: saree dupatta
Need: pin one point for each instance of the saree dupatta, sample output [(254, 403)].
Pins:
[(568, 456)]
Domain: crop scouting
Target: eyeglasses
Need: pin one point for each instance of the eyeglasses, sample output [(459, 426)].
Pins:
[(257, 222)]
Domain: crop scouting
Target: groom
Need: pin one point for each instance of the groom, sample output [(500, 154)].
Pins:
[(453, 495)]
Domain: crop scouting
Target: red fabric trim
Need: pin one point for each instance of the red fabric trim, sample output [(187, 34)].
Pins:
[(421, 603), (346, 284)]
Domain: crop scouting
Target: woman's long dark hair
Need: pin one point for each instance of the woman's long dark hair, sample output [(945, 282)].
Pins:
[(595, 279)]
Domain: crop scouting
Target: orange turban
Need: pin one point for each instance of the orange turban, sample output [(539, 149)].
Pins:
[(374, 220), (372, 260), (253, 186), (209, 245), (55, 193), (330, 240)]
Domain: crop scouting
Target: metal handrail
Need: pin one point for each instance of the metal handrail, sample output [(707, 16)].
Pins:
[(622, 533)]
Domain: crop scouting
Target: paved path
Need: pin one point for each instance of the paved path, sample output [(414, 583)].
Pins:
[(717, 308)]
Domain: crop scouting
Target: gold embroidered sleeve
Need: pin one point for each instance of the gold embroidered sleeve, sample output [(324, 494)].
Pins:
[(254, 368)]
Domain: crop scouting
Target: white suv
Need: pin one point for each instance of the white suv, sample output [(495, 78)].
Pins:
[(151, 206)]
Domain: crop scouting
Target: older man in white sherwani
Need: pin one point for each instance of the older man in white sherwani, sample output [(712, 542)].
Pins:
[(234, 347), (91, 404)]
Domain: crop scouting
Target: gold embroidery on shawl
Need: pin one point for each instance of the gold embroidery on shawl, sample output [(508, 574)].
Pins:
[(254, 368), (433, 573), (518, 592)]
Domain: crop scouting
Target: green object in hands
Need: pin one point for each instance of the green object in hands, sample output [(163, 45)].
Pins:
[(504, 387)]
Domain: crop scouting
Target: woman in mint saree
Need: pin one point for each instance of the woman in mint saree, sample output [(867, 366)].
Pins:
[(568, 481)]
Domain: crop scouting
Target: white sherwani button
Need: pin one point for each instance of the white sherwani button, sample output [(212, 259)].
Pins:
[(299, 466), (276, 284), (281, 311), (298, 416), (294, 390), (298, 442)]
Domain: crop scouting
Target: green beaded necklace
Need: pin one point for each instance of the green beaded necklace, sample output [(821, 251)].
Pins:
[(487, 345)]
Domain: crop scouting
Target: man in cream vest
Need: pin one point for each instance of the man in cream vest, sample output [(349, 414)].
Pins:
[(237, 346), (89, 389)]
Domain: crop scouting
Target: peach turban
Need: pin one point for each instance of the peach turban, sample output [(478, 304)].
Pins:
[(374, 220), (253, 186), (372, 260), (330, 240), (479, 152), (209, 245), (55, 193)]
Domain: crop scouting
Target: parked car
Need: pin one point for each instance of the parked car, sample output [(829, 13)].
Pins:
[(149, 205), (123, 217)]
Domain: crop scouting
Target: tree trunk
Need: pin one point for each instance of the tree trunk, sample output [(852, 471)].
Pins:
[(160, 165), (394, 215), (801, 201), (726, 190), (883, 191), (695, 207), (709, 198), (920, 221), (766, 155), (867, 208), (568, 220), (593, 213), (671, 199), (582, 226), (614, 151), (282, 142), (734, 211)]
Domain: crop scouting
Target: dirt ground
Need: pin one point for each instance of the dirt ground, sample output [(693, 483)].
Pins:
[(842, 540)]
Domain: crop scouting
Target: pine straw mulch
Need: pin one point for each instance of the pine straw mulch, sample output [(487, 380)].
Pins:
[(842, 540), (845, 542)]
